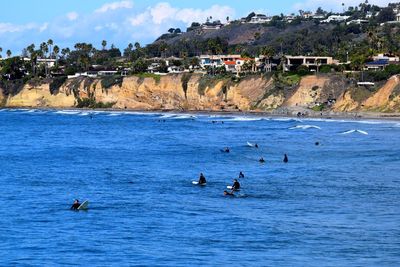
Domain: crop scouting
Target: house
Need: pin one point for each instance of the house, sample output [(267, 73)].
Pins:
[(216, 60), (307, 15), (379, 64), (215, 25), (289, 18), (50, 62), (259, 19), (336, 18), (312, 62), (319, 16), (175, 69), (357, 21), (398, 17), (392, 59)]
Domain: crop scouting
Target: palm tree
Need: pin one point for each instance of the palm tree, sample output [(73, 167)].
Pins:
[(56, 50), (104, 44), (268, 52), (8, 53), (1, 50), (50, 44)]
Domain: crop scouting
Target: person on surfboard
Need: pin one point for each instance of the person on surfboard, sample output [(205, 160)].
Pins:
[(202, 179), (76, 205), (241, 175), (262, 160), (236, 185), (256, 145)]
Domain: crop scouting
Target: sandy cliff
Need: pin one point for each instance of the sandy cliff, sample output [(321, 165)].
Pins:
[(194, 92)]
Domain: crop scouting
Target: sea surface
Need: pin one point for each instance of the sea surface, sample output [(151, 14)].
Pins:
[(336, 204)]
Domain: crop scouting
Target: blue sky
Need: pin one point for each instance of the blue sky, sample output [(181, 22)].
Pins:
[(123, 21)]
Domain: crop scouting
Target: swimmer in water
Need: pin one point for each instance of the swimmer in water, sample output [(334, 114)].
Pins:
[(285, 159)]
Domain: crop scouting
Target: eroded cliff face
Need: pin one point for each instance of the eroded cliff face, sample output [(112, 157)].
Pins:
[(194, 92)]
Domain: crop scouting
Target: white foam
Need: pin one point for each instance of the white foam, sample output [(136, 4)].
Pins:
[(67, 112), (245, 119), (355, 131), (305, 127), (114, 114)]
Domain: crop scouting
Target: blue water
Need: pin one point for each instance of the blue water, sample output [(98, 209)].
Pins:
[(336, 204)]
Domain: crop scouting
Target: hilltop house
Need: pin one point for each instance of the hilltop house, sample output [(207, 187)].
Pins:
[(335, 18), (259, 19), (216, 60), (312, 62), (215, 25), (50, 62), (357, 21)]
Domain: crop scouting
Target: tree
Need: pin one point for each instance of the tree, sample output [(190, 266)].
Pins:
[(177, 31), (56, 50), (386, 14), (320, 11), (104, 44), (8, 53), (140, 66), (50, 44), (171, 30), (1, 50)]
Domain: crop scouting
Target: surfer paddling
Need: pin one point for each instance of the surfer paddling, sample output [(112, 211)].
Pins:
[(76, 205)]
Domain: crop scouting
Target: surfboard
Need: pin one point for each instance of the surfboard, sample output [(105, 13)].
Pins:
[(84, 205), (250, 144), (230, 188), (197, 183)]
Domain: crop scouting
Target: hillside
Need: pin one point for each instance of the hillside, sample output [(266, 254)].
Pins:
[(322, 93)]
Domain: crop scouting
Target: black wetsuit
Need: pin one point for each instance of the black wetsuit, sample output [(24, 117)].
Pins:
[(75, 206), (286, 160), (202, 179), (236, 186), (241, 175)]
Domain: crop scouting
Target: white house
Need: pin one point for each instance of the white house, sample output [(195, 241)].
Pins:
[(50, 62), (259, 19), (215, 25), (357, 21), (389, 58), (216, 60), (336, 18)]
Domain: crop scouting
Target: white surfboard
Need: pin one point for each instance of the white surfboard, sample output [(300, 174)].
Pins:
[(250, 144), (230, 188), (197, 183), (84, 205)]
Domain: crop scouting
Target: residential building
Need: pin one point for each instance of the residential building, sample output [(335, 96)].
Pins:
[(357, 21), (215, 25), (312, 62), (336, 18), (307, 15), (379, 64), (392, 59), (50, 62), (216, 60), (260, 18)]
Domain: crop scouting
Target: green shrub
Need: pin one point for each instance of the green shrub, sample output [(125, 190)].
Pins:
[(185, 80), (144, 75), (91, 103)]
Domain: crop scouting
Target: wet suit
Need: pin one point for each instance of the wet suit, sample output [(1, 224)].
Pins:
[(241, 175), (286, 160), (235, 186), (75, 206), (202, 179)]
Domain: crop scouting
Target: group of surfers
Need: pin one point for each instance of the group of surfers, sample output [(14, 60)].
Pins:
[(236, 184)]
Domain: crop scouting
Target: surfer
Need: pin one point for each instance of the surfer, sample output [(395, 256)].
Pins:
[(226, 150), (202, 179), (76, 205), (317, 143), (241, 175), (261, 160), (256, 145), (285, 159), (236, 185)]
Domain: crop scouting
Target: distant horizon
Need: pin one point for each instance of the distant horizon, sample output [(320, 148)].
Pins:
[(124, 22)]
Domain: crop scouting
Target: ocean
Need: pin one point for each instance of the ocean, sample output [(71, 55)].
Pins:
[(332, 204)]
